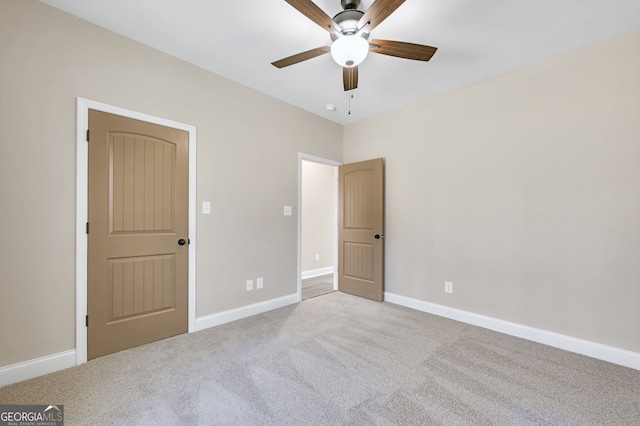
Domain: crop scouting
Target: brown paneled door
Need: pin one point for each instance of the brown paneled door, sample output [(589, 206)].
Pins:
[(361, 229), (137, 290)]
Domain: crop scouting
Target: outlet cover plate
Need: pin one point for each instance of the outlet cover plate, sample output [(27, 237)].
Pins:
[(448, 287)]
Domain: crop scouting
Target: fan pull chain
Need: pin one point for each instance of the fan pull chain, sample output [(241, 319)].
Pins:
[(350, 95)]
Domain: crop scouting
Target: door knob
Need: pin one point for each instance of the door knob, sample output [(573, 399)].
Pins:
[(378, 236), (182, 241)]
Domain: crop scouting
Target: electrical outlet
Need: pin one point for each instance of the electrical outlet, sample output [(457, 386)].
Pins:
[(259, 283), (317, 258), (448, 287), (249, 285)]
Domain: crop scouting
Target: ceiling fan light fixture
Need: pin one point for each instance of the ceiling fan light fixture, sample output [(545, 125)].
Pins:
[(350, 50)]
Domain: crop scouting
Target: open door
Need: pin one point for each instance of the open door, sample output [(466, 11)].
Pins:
[(361, 229)]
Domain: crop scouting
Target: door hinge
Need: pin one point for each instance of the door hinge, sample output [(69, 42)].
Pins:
[(86, 320), (87, 227), (87, 135)]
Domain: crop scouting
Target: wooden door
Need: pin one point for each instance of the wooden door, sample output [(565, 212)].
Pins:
[(361, 229), (137, 289)]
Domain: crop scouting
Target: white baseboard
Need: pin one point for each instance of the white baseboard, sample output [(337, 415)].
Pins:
[(51, 363), (213, 320), (25, 370), (316, 272), (584, 347)]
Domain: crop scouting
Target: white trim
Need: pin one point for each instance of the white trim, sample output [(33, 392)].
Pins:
[(307, 157), (314, 159), (82, 163), (224, 317), (316, 272), (336, 231), (584, 347), (26, 370)]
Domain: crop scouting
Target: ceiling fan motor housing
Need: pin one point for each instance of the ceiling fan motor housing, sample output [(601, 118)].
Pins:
[(347, 20)]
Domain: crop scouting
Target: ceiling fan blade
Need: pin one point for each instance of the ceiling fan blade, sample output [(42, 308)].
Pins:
[(400, 49), (378, 12), (294, 59), (313, 12), (350, 78)]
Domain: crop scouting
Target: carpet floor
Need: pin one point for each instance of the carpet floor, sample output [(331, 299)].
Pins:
[(340, 360)]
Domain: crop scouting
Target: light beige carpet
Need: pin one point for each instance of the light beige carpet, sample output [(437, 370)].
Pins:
[(340, 360)]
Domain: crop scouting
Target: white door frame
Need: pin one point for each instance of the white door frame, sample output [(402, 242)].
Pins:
[(82, 186), (312, 158)]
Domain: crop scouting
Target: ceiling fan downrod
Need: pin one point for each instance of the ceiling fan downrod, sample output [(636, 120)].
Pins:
[(350, 4)]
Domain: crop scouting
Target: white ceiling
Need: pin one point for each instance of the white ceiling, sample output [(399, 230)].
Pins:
[(476, 39)]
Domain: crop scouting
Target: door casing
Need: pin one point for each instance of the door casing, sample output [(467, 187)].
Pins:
[(82, 162)]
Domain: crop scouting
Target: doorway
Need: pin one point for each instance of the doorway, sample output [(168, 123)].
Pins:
[(317, 223), (357, 228), (83, 107)]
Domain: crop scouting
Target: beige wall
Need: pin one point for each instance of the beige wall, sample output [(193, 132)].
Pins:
[(248, 145), (524, 191), (318, 215)]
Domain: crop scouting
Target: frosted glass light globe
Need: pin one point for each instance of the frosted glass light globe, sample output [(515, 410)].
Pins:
[(350, 50)]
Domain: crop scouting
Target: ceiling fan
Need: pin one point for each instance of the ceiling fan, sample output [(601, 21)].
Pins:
[(349, 32)]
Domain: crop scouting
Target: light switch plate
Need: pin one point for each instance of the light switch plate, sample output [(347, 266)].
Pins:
[(206, 207), (288, 210)]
